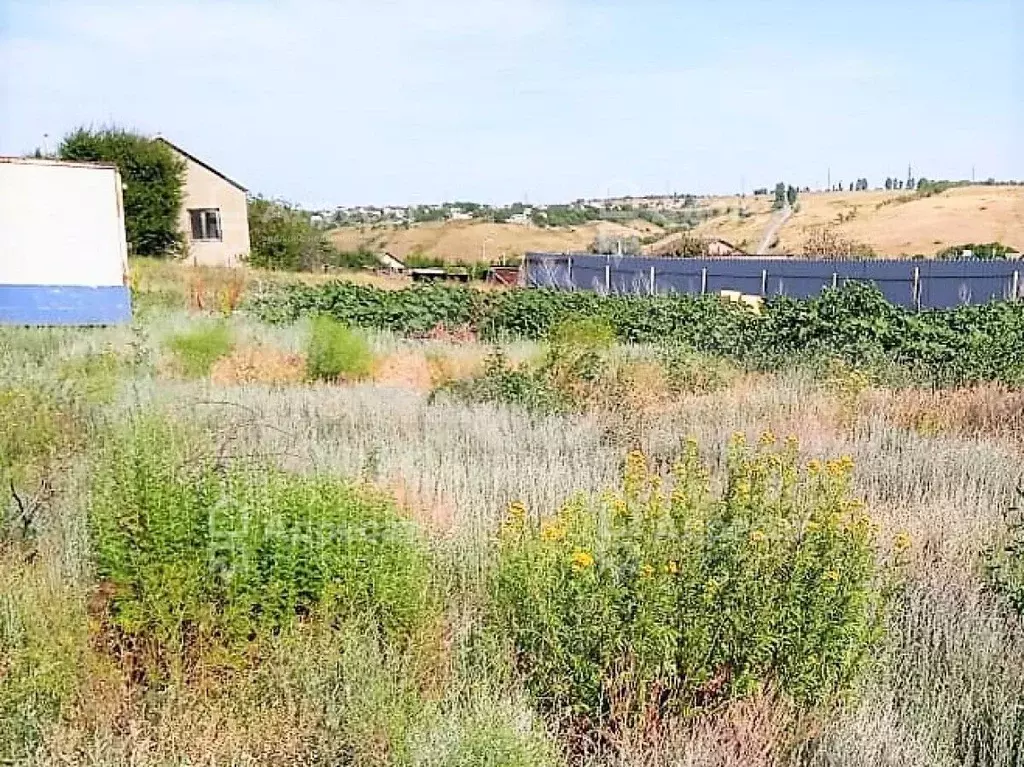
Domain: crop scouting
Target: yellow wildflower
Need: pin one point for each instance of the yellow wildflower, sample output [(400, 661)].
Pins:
[(581, 560), (516, 512), (646, 571), (767, 438), (758, 536), (672, 568), (711, 589), (831, 575), (902, 541), (552, 531), (814, 467)]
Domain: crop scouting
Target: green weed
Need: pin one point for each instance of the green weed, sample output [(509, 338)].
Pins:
[(335, 352), (197, 349), (198, 554)]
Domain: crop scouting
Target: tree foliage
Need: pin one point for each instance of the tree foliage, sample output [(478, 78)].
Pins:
[(281, 237), (153, 178), (780, 196)]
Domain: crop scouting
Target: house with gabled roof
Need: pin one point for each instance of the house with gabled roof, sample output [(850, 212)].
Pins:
[(214, 214)]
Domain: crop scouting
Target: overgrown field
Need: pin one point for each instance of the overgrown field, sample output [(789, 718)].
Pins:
[(441, 528)]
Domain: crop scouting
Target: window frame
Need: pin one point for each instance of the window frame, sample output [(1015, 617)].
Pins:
[(203, 217)]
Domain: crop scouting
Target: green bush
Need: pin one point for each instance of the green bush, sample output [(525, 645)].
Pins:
[(153, 177), (335, 351), (199, 554), (670, 601), (195, 350), (282, 237)]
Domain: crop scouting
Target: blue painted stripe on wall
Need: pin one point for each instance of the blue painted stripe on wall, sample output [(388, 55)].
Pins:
[(64, 305)]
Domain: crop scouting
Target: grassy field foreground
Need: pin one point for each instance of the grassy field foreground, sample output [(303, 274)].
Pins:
[(226, 542)]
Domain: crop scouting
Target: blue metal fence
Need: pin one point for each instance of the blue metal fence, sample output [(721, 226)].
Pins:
[(910, 283)]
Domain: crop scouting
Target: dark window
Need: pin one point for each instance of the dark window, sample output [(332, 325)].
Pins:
[(205, 223)]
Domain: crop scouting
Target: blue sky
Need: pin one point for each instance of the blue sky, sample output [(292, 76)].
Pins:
[(399, 101)]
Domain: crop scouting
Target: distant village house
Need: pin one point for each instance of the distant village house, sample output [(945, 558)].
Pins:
[(214, 214)]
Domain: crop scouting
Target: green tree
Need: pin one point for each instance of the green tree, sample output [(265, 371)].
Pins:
[(153, 178), (281, 237), (780, 195), (791, 194), (888, 184)]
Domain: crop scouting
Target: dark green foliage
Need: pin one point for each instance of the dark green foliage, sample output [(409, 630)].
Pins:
[(153, 177), (413, 310), (985, 251), (282, 237), (854, 323), (780, 196), (198, 552)]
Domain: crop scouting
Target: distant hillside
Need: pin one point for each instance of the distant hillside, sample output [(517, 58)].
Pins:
[(891, 223), (469, 241)]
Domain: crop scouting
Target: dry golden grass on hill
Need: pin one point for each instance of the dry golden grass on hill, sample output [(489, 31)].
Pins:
[(892, 223), (468, 241), (889, 225)]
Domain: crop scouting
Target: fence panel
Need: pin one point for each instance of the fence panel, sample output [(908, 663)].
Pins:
[(910, 283)]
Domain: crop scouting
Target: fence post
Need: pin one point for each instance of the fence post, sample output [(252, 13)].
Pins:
[(764, 282), (917, 288), (703, 280), (835, 280), (568, 273), (1016, 284), (607, 279), (652, 280)]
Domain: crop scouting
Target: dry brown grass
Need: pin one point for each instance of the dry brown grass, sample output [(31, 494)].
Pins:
[(406, 369), (754, 732), (259, 364), (468, 241), (921, 225), (988, 410)]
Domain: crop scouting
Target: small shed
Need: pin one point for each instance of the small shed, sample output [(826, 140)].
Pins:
[(63, 252)]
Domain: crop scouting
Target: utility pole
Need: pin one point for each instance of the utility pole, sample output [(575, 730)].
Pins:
[(829, 187)]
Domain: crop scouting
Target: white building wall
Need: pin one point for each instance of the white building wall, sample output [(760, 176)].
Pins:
[(61, 224)]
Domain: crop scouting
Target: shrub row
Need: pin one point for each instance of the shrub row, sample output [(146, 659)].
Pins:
[(854, 323)]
